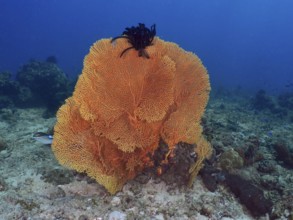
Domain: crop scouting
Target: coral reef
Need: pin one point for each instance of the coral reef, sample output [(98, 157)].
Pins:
[(123, 106), (44, 84), (52, 59), (37, 84), (262, 101), (9, 90), (286, 100)]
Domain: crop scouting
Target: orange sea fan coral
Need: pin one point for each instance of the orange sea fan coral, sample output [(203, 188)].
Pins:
[(123, 106)]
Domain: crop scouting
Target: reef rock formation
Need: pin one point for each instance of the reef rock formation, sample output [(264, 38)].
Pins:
[(123, 106), (43, 83)]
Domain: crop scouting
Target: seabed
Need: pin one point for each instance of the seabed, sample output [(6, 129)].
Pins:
[(34, 186)]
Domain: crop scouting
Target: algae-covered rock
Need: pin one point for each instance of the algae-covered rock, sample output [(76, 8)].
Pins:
[(266, 166), (249, 195), (3, 185), (284, 153), (230, 160), (57, 176), (28, 205), (3, 144)]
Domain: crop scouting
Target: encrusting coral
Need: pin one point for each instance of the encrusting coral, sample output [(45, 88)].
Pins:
[(123, 106)]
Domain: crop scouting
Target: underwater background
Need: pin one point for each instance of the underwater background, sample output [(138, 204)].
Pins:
[(242, 43), (247, 49)]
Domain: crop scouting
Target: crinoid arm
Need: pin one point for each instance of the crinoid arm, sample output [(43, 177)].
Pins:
[(124, 51), (115, 38)]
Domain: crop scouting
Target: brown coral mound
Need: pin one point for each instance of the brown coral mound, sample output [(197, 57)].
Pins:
[(121, 107)]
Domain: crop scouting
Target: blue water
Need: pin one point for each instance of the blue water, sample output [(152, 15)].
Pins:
[(242, 43)]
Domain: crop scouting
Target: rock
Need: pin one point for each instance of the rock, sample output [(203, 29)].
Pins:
[(249, 195), (116, 201), (117, 215)]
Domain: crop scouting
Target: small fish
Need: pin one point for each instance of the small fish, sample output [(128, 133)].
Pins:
[(43, 138)]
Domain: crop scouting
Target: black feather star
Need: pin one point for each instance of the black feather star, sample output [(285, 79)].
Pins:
[(139, 37)]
